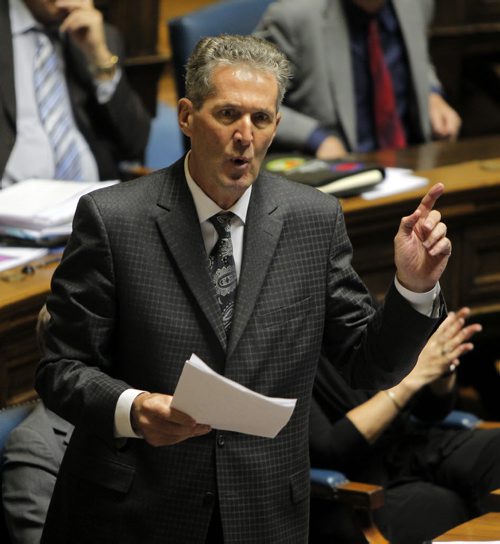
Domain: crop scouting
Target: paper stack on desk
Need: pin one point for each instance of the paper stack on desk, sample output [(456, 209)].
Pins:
[(41, 210), (223, 404)]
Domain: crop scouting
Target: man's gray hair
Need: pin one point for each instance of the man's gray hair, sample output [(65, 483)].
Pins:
[(232, 50)]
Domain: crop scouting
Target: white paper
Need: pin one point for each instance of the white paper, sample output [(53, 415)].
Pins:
[(396, 180), (466, 542), (17, 256), (39, 203), (223, 404)]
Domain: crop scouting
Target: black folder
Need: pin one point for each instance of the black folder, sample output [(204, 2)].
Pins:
[(340, 177)]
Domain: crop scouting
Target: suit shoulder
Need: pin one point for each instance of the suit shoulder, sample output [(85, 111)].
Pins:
[(298, 195)]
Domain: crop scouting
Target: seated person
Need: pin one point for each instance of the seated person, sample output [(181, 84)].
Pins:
[(31, 461), (434, 478), (343, 97), (66, 108)]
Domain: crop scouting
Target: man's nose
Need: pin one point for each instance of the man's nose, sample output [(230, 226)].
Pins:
[(244, 130)]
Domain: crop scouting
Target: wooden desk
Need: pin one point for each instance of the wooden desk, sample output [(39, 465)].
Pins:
[(486, 527), (471, 208), (20, 301)]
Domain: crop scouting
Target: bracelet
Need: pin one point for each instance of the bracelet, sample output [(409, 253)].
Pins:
[(106, 68), (392, 396)]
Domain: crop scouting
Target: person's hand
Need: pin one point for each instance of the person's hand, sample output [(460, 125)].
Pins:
[(331, 148), (443, 350), (445, 121), (159, 424), (421, 247), (84, 23)]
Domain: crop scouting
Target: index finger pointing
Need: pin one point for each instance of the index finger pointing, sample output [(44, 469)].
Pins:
[(427, 203)]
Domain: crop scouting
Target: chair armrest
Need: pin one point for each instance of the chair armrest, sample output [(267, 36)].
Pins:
[(494, 501), (333, 485)]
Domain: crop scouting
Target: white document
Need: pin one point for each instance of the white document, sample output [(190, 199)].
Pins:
[(396, 180), (39, 203), (17, 256), (223, 404), (467, 542)]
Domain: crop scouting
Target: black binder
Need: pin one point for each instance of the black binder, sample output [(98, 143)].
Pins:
[(340, 177)]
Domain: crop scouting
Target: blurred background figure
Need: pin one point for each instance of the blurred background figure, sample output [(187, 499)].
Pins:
[(67, 111), (31, 460), (434, 477), (363, 79)]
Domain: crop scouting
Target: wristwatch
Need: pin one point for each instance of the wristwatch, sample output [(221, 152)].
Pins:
[(107, 68)]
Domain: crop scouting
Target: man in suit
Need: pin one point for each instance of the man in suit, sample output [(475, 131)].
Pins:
[(148, 278), (106, 117), (330, 107)]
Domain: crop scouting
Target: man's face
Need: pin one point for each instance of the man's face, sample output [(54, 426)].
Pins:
[(231, 132), (46, 11)]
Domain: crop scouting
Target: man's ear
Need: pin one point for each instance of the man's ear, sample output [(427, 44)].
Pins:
[(185, 115)]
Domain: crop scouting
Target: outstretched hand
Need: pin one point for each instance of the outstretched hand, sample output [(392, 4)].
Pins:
[(421, 247)]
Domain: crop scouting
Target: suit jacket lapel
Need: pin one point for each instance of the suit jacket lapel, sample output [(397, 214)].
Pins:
[(415, 40), (7, 89), (262, 232), (179, 226), (337, 44)]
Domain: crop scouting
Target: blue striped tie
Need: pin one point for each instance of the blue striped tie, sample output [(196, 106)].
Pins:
[(53, 109)]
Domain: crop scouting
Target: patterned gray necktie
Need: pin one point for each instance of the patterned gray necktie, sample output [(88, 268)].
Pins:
[(54, 111), (222, 267)]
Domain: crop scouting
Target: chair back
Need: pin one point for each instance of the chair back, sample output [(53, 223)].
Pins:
[(225, 17), (10, 417)]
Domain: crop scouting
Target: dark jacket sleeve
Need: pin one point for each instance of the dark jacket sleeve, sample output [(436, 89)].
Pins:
[(337, 445)]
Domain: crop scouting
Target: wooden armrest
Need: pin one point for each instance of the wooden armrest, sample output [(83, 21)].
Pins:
[(488, 425), (360, 495), (494, 501)]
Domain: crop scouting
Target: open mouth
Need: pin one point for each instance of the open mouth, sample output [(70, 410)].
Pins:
[(240, 161)]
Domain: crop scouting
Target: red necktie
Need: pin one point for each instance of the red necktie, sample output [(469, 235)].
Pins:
[(388, 127)]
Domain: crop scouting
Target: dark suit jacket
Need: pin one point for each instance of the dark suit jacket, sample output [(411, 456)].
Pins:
[(31, 460), (132, 299), (115, 131)]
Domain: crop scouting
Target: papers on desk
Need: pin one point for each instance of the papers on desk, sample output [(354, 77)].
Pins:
[(396, 180), (11, 257), (223, 404), (40, 210)]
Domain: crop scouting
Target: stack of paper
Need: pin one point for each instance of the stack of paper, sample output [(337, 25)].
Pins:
[(397, 180), (42, 210), (17, 256)]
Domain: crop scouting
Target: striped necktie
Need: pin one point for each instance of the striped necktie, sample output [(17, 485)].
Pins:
[(54, 110)]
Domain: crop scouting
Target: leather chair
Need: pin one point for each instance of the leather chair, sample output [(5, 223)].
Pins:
[(10, 417), (225, 17)]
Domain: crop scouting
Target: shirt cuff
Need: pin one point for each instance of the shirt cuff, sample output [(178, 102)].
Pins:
[(106, 89), (316, 138), (421, 302), (123, 427)]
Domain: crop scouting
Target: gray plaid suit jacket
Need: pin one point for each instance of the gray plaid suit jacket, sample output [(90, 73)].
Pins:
[(132, 299)]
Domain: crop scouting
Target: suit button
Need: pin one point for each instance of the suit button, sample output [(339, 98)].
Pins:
[(209, 498), (220, 440)]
